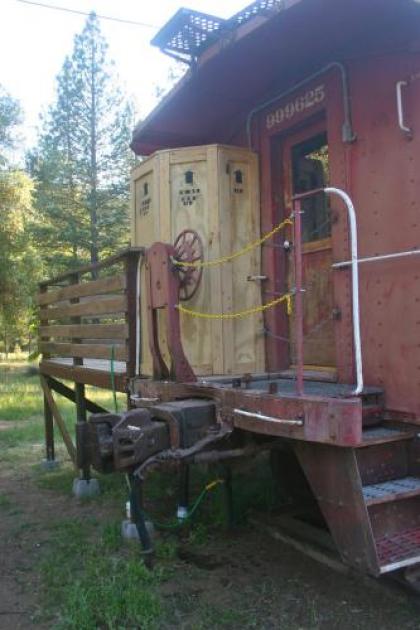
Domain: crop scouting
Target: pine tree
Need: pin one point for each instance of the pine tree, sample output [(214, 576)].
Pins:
[(82, 162), (19, 263)]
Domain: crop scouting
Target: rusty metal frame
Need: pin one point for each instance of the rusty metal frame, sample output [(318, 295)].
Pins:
[(163, 285), (321, 419)]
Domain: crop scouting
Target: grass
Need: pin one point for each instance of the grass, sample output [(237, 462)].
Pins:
[(94, 582), (89, 578), (21, 404)]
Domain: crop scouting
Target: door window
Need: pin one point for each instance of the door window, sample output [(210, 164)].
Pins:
[(310, 170)]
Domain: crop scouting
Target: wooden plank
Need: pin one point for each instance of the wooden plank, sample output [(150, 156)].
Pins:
[(68, 393), (58, 419), (93, 307), (86, 331), (87, 289), (103, 264), (81, 374), (84, 350)]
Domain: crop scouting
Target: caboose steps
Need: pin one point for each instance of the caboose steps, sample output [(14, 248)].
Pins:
[(369, 496), (392, 490), (399, 550)]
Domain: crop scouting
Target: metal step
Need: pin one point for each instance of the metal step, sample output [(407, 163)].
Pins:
[(399, 550), (383, 435), (393, 490)]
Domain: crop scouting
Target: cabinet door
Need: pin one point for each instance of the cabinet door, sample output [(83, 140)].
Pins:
[(240, 225)]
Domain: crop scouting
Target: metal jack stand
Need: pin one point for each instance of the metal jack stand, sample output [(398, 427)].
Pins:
[(138, 517)]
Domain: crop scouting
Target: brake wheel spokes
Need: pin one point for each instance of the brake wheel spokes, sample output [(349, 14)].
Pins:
[(189, 249)]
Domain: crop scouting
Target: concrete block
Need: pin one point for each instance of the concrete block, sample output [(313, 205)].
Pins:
[(129, 530), (50, 464), (85, 488)]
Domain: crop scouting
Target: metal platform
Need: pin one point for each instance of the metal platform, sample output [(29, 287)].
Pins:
[(381, 435), (400, 550), (393, 490), (287, 387)]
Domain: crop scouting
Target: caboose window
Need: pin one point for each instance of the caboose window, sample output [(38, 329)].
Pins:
[(310, 171)]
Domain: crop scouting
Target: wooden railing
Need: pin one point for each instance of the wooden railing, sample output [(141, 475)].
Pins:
[(90, 316)]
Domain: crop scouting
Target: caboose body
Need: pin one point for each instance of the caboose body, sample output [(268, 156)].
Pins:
[(287, 159)]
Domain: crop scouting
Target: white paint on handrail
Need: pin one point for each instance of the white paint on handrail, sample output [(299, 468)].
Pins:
[(368, 259), (355, 284), (260, 416)]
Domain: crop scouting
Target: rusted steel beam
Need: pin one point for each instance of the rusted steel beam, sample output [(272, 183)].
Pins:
[(132, 270), (326, 420), (335, 481)]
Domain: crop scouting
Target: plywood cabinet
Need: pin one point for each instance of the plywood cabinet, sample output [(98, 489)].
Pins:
[(213, 190)]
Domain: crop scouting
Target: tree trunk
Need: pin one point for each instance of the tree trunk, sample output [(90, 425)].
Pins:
[(94, 254)]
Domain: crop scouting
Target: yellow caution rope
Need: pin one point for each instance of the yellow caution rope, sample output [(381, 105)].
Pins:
[(287, 298), (241, 252)]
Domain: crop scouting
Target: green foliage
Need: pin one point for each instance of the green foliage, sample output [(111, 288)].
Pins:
[(82, 162), (10, 117), (19, 263)]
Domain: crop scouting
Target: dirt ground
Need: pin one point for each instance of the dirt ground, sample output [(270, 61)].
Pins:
[(235, 580)]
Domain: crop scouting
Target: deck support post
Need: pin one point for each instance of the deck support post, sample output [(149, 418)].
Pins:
[(80, 400), (79, 390), (49, 436)]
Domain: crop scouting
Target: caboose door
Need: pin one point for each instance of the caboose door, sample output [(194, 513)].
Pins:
[(306, 167)]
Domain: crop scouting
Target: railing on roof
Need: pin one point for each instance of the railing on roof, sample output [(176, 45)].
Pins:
[(188, 33)]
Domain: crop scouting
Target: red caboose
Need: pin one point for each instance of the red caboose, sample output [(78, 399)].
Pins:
[(326, 93)]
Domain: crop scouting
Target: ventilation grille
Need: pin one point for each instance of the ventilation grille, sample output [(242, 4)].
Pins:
[(190, 32), (261, 7)]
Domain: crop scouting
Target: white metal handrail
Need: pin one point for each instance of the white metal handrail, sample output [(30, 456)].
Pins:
[(355, 284)]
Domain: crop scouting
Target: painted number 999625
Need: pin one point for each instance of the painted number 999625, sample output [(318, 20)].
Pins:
[(298, 105)]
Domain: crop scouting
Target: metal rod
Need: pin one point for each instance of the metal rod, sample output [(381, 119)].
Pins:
[(368, 259), (309, 193), (355, 285), (260, 416), (355, 276), (297, 213), (401, 122)]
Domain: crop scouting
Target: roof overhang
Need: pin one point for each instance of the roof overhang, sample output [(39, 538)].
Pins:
[(263, 55)]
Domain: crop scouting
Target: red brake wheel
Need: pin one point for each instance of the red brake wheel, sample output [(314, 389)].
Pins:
[(189, 249)]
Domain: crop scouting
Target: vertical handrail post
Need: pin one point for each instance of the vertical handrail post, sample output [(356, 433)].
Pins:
[(357, 341), (297, 216)]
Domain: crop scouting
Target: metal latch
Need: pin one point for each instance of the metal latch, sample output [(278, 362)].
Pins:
[(257, 278)]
